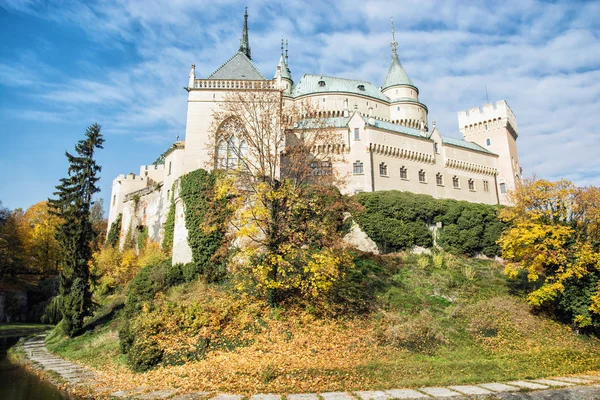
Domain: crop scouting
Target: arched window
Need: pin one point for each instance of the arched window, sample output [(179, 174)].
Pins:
[(230, 149), (422, 176), (439, 179), (488, 142), (455, 182)]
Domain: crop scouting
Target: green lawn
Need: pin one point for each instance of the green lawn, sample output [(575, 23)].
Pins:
[(438, 322), (22, 328)]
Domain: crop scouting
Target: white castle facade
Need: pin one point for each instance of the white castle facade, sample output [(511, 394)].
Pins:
[(389, 143)]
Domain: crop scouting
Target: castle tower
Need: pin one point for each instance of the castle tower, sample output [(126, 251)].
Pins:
[(405, 107), (494, 127), (283, 75)]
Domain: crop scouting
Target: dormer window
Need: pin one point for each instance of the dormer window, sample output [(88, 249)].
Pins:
[(321, 83), (361, 87)]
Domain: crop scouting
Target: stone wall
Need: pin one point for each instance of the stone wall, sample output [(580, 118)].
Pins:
[(13, 306)]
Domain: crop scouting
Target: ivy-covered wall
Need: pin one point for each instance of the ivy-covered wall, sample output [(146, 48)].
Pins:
[(206, 221)]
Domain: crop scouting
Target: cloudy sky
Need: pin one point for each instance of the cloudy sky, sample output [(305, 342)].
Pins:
[(124, 63)]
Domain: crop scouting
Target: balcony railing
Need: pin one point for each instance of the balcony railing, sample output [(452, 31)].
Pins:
[(233, 84)]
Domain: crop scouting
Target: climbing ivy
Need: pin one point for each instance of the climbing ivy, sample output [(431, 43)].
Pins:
[(206, 220), (142, 237), (169, 227), (115, 230)]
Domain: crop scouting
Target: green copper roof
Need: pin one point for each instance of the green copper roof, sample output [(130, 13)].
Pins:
[(396, 74), (309, 84), (238, 67), (332, 122), (465, 144), (285, 71), (390, 126)]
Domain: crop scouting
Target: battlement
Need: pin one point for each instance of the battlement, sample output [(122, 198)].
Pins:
[(151, 167), (131, 177), (492, 115)]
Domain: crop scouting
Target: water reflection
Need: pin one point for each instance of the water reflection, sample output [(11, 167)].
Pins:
[(18, 384)]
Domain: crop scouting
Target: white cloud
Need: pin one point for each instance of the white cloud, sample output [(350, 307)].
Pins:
[(543, 58)]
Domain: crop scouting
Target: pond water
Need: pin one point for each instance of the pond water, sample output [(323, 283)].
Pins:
[(18, 384)]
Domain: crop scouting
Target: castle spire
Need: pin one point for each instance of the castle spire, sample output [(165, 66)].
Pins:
[(244, 43), (396, 74), (286, 52), (394, 44)]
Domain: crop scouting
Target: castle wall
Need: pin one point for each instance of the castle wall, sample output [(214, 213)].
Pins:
[(121, 187), (416, 154), (496, 123)]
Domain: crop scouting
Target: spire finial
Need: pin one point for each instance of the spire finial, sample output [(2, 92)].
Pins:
[(244, 43), (286, 52), (394, 44), (281, 47)]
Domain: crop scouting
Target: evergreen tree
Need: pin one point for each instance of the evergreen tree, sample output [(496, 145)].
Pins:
[(76, 232)]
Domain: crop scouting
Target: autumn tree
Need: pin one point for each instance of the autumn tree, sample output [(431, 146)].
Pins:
[(11, 244), (76, 233), (99, 224), (279, 160), (42, 247), (553, 240)]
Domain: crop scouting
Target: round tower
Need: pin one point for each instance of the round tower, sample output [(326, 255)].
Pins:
[(405, 107)]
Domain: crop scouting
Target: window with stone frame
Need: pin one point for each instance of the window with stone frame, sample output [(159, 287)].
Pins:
[(383, 169), (455, 182), (403, 173), (358, 168), (231, 151), (503, 188), (471, 185), (439, 179), (356, 134), (422, 176), (321, 167), (486, 186)]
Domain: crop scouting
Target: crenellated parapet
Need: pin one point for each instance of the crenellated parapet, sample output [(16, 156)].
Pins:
[(487, 117)]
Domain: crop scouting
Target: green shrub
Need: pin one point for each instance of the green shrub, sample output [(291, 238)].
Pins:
[(144, 354), (399, 220)]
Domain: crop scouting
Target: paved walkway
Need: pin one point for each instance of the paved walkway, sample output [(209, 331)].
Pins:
[(558, 388)]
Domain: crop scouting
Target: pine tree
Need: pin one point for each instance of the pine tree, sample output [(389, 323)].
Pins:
[(76, 233)]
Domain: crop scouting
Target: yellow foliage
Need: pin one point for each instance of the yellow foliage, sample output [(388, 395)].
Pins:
[(152, 254), (554, 234)]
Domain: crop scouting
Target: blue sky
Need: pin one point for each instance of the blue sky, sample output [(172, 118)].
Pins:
[(124, 63)]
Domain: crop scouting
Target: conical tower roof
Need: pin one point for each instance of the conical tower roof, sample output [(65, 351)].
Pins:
[(283, 65), (396, 74)]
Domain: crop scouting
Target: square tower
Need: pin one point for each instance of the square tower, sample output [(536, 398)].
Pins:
[(494, 127)]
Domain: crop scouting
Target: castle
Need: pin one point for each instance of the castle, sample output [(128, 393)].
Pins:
[(389, 144)]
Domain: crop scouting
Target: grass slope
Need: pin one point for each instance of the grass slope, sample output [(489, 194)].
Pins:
[(439, 320)]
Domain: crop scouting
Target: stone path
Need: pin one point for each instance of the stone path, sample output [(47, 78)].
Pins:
[(555, 388)]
